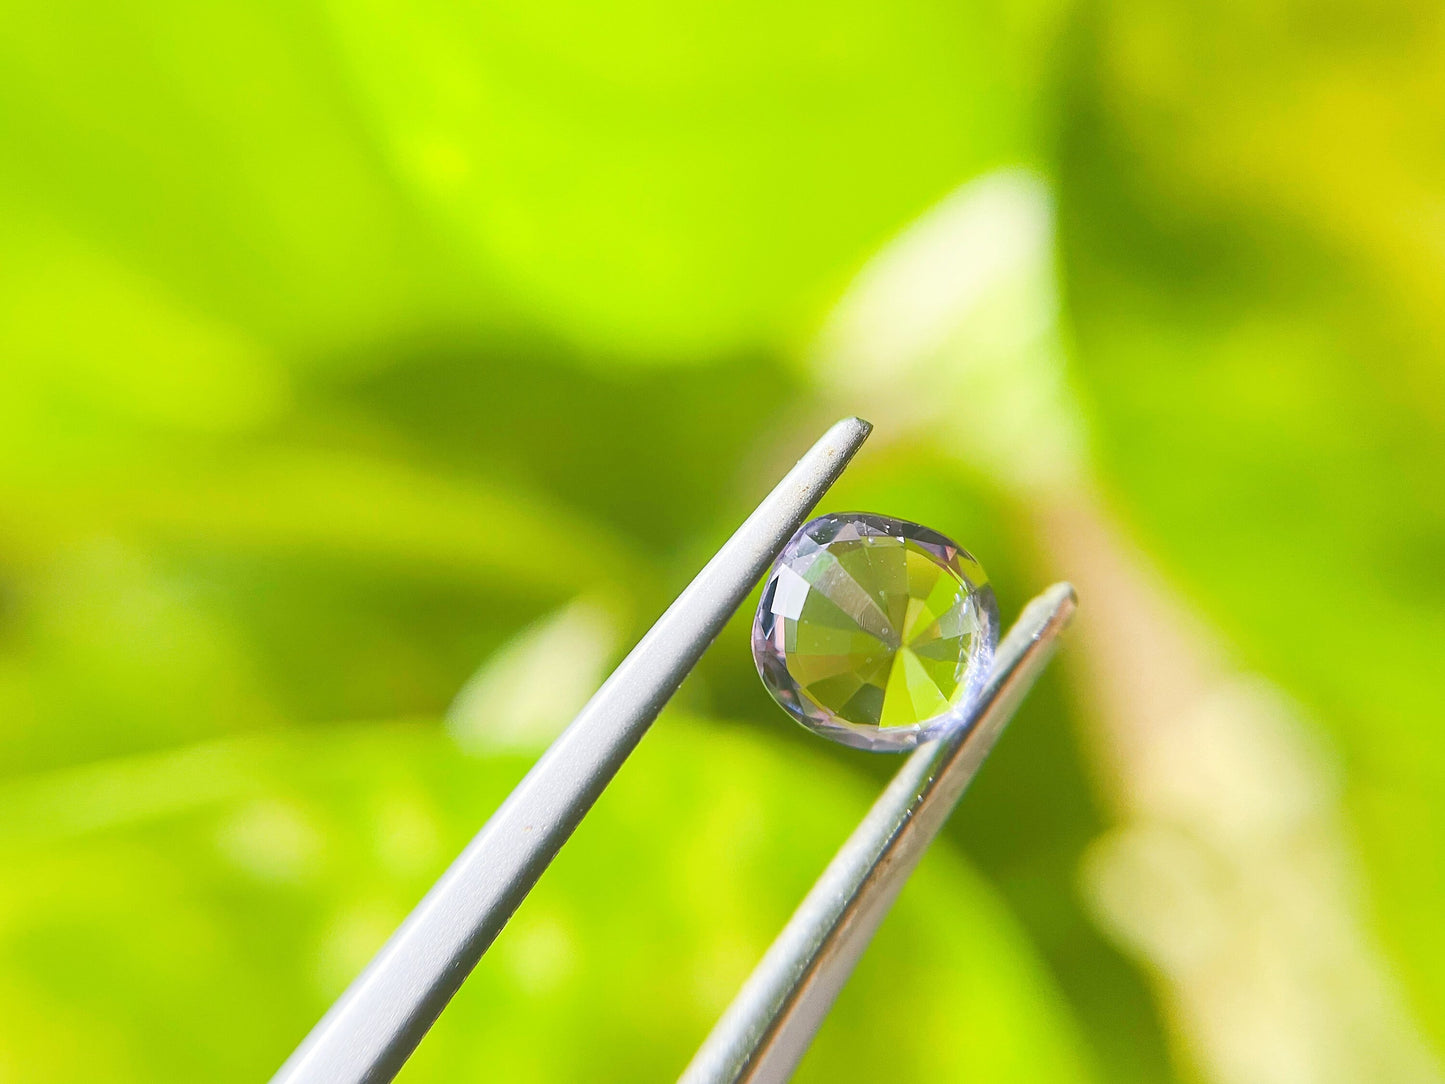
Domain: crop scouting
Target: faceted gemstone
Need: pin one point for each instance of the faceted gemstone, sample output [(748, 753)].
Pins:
[(873, 631)]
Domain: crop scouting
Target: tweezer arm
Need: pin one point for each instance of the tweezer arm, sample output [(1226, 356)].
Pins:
[(372, 1029), (767, 1029)]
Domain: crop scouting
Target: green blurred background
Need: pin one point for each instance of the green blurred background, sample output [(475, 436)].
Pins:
[(372, 374)]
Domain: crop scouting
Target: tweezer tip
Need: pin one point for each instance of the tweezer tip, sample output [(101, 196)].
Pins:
[(1056, 603), (849, 432)]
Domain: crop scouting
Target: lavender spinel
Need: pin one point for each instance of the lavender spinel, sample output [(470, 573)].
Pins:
[(873, 631)]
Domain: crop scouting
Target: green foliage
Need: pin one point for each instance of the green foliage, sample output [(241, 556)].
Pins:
[(341, 343), (229, 891), (1261, 314)]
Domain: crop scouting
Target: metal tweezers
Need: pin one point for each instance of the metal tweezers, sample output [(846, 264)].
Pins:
[(372, 1029)]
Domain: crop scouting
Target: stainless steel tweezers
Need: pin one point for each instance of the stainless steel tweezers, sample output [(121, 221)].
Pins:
[(375, 1025)]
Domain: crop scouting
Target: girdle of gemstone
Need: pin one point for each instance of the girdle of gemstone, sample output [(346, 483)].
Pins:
[(874, 631)]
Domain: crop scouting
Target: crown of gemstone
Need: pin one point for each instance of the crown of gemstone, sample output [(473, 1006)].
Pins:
[(874, 631)]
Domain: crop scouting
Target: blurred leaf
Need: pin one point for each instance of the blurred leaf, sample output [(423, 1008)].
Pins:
[(216, 150), (179, 602), (666, 181), (94, 348), (1252, 251), (208, 903), (341, 504), (651, 454)]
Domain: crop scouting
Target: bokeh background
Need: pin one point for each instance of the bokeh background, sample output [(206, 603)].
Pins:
[(371, 374)]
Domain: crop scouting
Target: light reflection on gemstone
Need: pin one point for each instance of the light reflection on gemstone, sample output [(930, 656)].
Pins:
[(874, 631)]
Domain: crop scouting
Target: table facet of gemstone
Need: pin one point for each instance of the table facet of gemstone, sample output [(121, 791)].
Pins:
[(874, 631)]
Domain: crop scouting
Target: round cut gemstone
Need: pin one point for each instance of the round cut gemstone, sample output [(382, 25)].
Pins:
[(873, 631)]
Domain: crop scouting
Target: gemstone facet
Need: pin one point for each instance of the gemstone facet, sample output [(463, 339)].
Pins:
[(874, 632)]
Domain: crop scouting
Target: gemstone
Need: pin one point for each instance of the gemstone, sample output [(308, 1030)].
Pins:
[(874, 632)]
